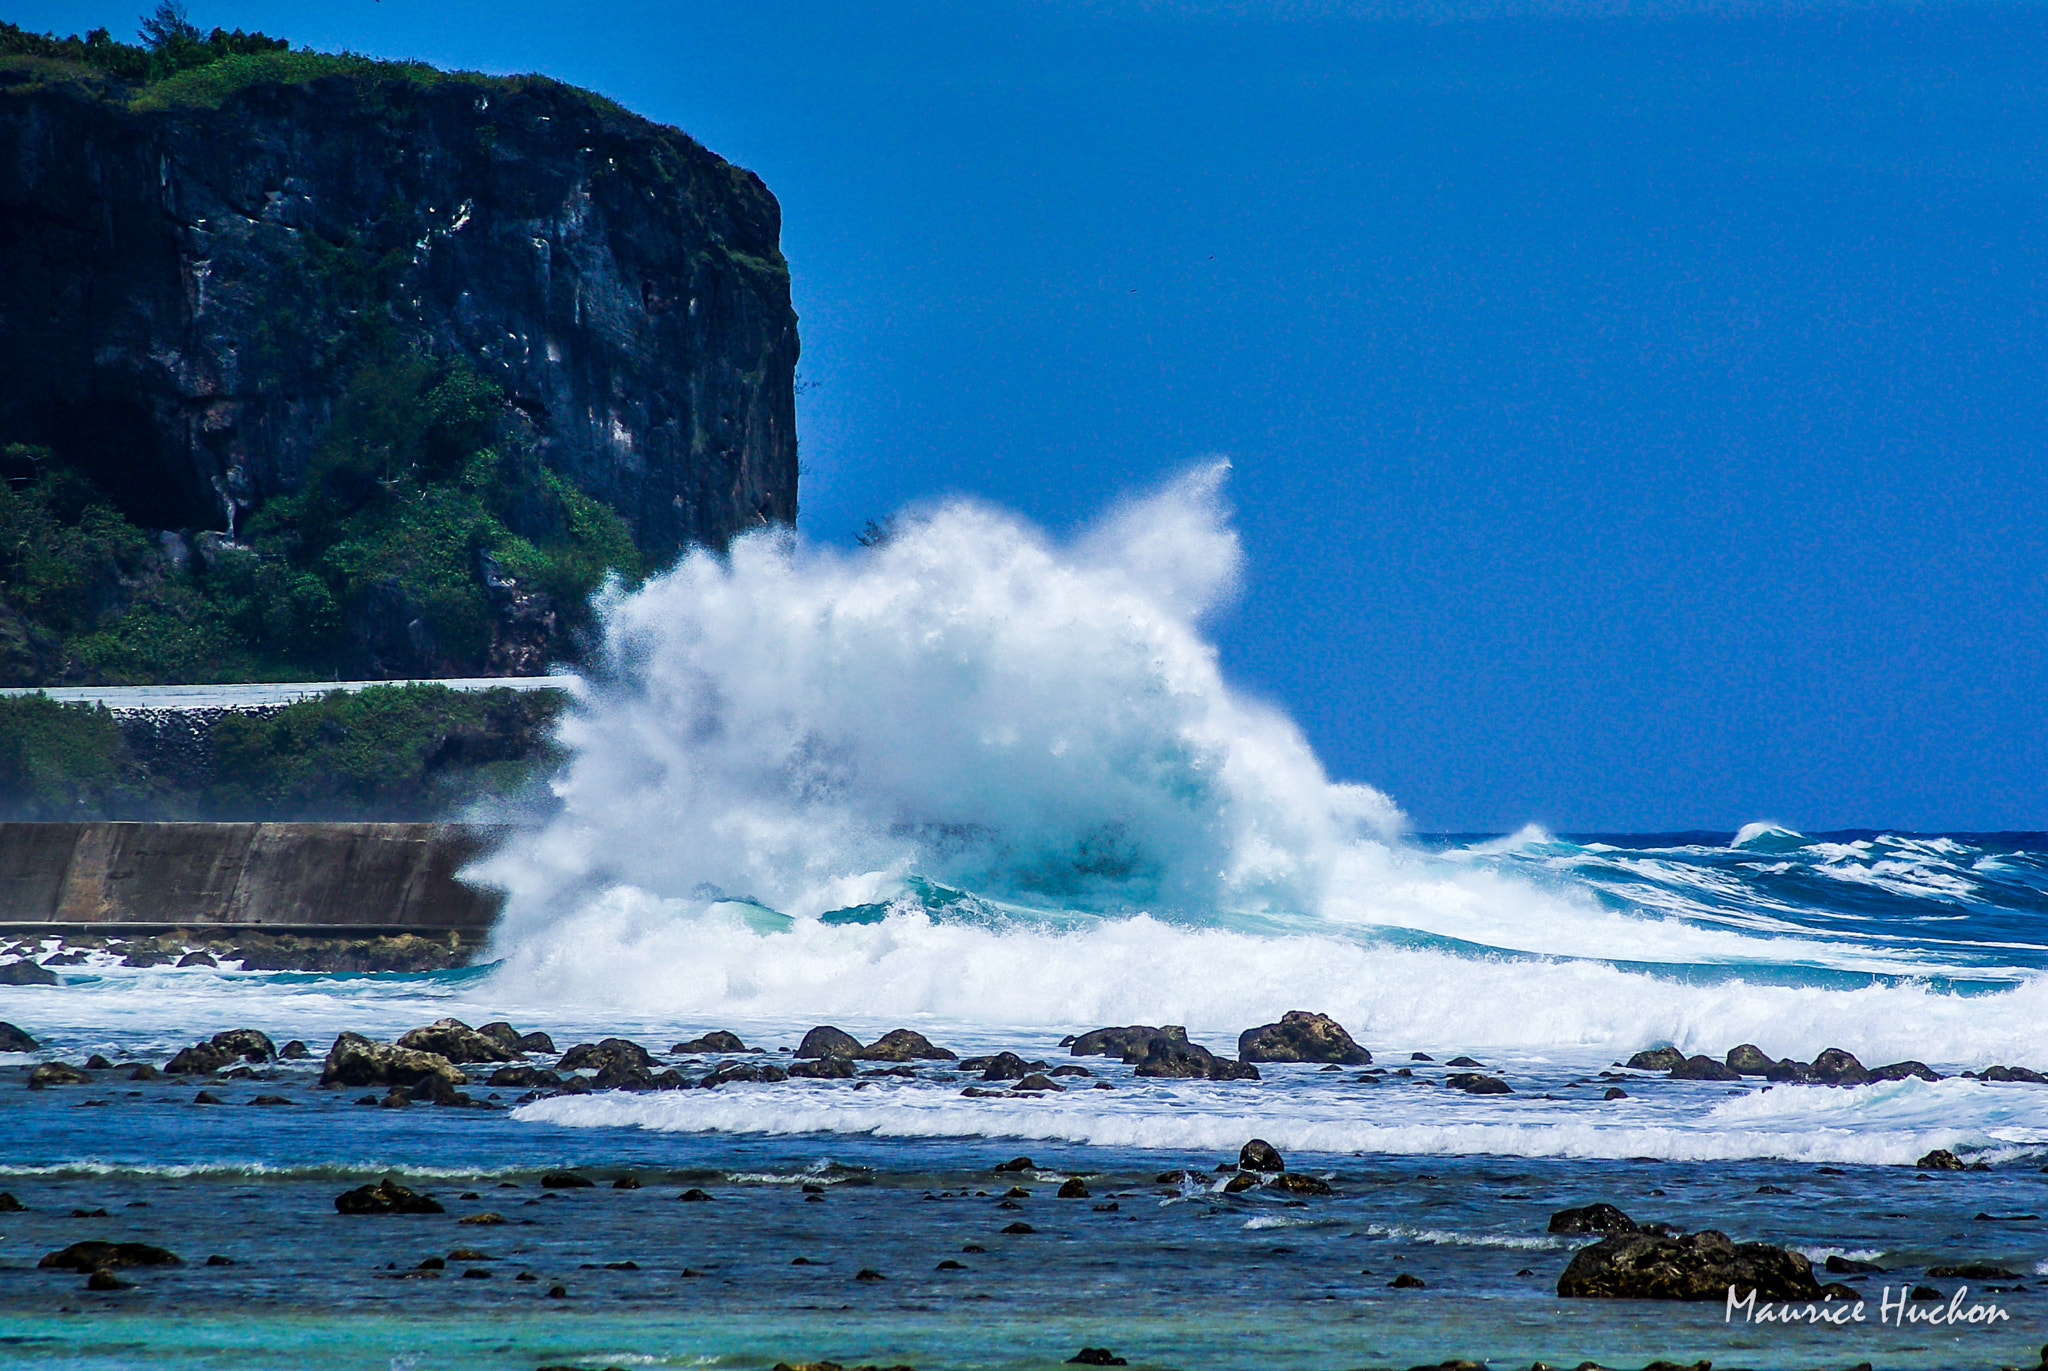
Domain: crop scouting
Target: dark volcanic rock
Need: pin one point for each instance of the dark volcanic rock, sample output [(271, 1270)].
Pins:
[(1301, 1036), (760, 1072), (1173, 1059), (1703, 1068), (102, 1256), (824, 1068), (1899, 1071), (1005, 1066), (1787, 1072), (385, 1197), (1294, 1183), (2012, 1073), (1129, 1043), (1260, 1155), (620, 1074), (294, 1051), (26, 972), (524, 1076), (10, 1205), (827, 1041), (1849, 1266), (503, 1034), (717, 1040), (1473, 1083), (1836, 1067), (1749, 1060), (13, 1039), (536, 1042), (1096, 1356), (56, 1073), (565, 1180), (1689, 1266), (1593, 1218), (200, 1059), (1974, 1271), (903, 1045), (598, 1055), (458, 1042), (622, 284), (1941, 1159), (1656, 1059), (355, 1060), (249, 1044)]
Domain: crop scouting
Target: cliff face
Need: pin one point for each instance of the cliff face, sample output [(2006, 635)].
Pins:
[(183, 275)]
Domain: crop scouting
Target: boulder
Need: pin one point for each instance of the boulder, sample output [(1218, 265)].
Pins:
[(1472, 1083), (1301, 1036), (10, 1205), (1294, 1183), (385, 1197), (458, 1042), (1703, 1068), (198, 959), (1073, 1188), (200, 1059), (759, 1072), (104, 1279), (524, 1076), (355, 1060), (104, 1256), (598, 1055), (1899, 1071), (1748, 1059), (1128, 1043), (1260, 1155), (903, 1045), (56, 1073), (1038, 1081), (1974, 1271), (1096, 1356), (1180, 1060), (13, 1039), (249, 1044), (618, 1073), (823, 1068), (294, 1051), (2011, 1073), (1849, 1266), (536, 1042), (1688, 1266), (717, 1040), (827, 1041), (1836, 1067), (503, 1034), (565, 1180), (1593, 1218), (1656, 1059), (1941, 1159), (1785, 1071), (1005, 1066), (26, 972)]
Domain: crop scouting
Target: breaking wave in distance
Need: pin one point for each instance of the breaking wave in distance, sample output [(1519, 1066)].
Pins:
[(979, 777)]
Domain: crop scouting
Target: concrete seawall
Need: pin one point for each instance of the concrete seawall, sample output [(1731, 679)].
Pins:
[(300, 877)]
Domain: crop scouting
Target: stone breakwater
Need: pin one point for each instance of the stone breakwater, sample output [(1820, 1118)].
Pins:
[(107, 877)]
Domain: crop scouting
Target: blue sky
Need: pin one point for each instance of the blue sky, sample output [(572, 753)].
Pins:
[(1636, 410)]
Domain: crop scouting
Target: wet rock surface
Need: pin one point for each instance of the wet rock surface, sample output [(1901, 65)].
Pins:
[(1301, 1036), (1690, 1266)]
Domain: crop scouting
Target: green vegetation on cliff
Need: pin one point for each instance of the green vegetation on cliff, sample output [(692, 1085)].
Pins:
[(416, 752)]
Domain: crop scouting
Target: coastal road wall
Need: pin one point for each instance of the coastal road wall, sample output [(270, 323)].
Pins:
[(350, 878)]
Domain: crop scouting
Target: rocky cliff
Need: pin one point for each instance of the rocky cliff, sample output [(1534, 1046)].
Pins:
[(191, 272)]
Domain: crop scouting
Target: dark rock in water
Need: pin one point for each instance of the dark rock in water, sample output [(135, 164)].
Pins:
[(1974, 1271), (1656, 1059), (694, 1196), (599, 1055), (1787, 1072), (1688, 1266), (1040, 1083), (386, 1197), (458, 1042), (13, 1039), (201, 1059), (1128, 1043), (1074, 1188), (1069, 1069), (271, 1100), (1703, 1068), (2011, 1073), (1849, 1266), (766, 1072), (717, 1040), (1301, 1036), (395, 1099), (10, 1205), (206, 1097), (1593, 1218), (355, 1060), (1015, 1164), (1294, 1183), (1260, 1155), (1941, 1159), (1463, 1061), (501, 1033), (1420, 1057), (1928, 1292), (527, 1076), (1472, 1083), (56, 1073), (218, 1260), (96, 1062), (1615, 1092), (1899, 1071), (1404, 1281), (1017, 1228), (1836, 1067), (620, 1074), (435, 1090), (1747, 1059), (1096, 1356), (198, 959), (565, 1180), (294, 1051), (104, 1279), (1175, 1059), (824, 1068), (145, 1072), (536, 1042), (1005, 1066), (100, 1256), (827, 1041), (903, 1045), (26, 972), (249, 1044)]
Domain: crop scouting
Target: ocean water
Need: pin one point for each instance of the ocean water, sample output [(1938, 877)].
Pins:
[(995, 787)]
